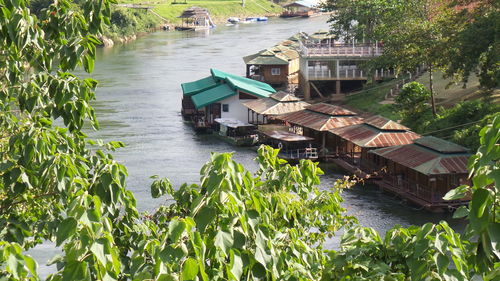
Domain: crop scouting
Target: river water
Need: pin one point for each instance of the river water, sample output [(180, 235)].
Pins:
[(139, 101)]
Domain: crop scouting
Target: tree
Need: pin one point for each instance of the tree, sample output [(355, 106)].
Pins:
[(474, 46), (234, 224), (418, 32), (412, 99)]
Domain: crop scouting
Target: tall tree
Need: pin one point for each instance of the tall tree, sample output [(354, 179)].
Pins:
[(413, 33)]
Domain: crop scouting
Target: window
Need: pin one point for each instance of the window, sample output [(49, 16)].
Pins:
[(225, 107), (275, 71)]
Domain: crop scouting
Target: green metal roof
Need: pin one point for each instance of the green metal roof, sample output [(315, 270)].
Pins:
[(221, 75), (248, 88), (268, 60), (212, 95), (191, 88)]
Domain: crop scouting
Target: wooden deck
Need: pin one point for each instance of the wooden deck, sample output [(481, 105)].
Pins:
[(438, 207)]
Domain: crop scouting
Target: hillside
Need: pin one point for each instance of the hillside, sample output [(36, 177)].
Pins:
[(220, 10)]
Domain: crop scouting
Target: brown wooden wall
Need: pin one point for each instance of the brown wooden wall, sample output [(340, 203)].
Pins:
[(275, 79)]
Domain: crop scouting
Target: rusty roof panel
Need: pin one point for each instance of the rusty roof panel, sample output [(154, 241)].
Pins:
[(440, 145), (364, 135), (330, 109), (318, 121), (385, 124), (424, 160), (270, 106)]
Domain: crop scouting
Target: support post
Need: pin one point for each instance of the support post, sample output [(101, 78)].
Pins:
[(337, 87)]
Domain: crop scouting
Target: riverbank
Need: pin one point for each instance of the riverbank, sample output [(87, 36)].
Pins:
[(141, 17)]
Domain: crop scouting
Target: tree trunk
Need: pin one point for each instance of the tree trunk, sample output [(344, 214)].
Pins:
[(431, 88)]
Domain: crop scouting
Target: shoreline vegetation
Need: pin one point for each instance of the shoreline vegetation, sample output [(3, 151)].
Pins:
[(128, 23)]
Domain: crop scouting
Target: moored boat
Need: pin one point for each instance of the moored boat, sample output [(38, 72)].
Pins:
[(236, 132), (293, 147), (262, 19), (233, 20)]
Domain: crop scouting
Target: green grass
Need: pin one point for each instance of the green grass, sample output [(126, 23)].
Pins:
[(219, 10), (449, 94), (368, 100)]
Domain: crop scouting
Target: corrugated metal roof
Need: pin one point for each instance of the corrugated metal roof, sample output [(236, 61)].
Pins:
[(286, 136), (212, 95), (222, 85), (267, 60), (221, 75), (284, 96), (330, 109), (440, 145), (194, 12), (270, 106), (232, 123), (319, 121), (424, 160), (364, 135), (195, 87), (304, 3), (247, 87), (385, 123)]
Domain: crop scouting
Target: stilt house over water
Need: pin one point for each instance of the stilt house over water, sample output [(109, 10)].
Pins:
[(317, 119), (302, 8), (352, 143), (220, 95), (423, 172), (262, 111), (195, 18), (278, 65)]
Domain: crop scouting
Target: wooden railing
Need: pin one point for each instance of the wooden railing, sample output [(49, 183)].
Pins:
[(304, 153), (340, 50), (347, 73), (421, 191)]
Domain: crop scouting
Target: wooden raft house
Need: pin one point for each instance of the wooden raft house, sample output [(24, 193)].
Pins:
[(278, 66), (424, 171), (317, 119), (220, 95), (351, 144), (195, 18), (266, 110), (302, 8), (293, 147)]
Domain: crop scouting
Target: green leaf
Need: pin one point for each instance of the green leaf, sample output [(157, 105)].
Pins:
[(479, 210), (175, 229), (461, 212), (457, 193), (204, 218), (189, 269), (66, 229), (97, 249), (236, 264), (75, 270), (224, 241)]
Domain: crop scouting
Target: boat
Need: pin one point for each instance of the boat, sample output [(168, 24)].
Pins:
[(262, 19), (236, 132), (251, 19), (293, 147), (233, 20)]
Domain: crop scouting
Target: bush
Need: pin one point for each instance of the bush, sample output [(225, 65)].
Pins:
[(413, 106)]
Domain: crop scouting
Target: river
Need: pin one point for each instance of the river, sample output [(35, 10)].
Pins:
[(139, 101)]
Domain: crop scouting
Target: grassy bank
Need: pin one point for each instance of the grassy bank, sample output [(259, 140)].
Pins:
[(220, 10), (368, 100)]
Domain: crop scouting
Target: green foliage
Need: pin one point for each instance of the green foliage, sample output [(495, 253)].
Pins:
[(236, 225), (412, 101), (233, 225), (475, 46), (126, 22)]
